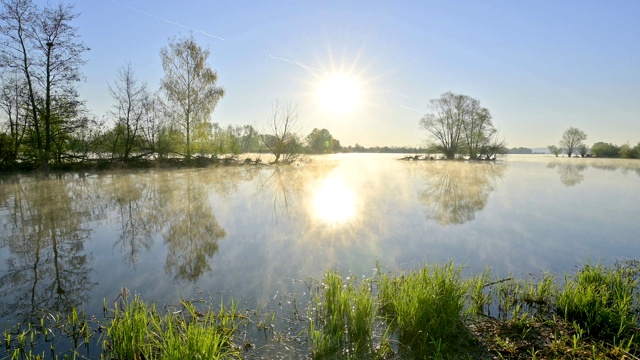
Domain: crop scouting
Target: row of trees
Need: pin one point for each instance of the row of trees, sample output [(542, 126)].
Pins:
[(47, 122), (572, 143), (458, 125)]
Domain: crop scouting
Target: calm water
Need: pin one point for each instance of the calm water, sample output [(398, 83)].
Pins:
[(251, 232)]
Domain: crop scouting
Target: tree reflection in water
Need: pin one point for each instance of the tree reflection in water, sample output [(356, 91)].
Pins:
[(192, 231), (49, 268), (570, 173), (457, 190)]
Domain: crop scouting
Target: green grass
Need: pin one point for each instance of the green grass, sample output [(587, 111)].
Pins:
[(342, 318), (601, 301), (425, 308), (138, 331), (430, 312)]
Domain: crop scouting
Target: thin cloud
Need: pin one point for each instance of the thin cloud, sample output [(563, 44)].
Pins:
[(168, 21)]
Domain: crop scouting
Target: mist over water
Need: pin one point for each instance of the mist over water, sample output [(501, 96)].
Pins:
[(249, 232)]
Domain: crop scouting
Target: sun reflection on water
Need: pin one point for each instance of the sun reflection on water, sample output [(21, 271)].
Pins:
[(334, 202)]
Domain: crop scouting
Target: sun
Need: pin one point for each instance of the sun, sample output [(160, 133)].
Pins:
[(339, 93)]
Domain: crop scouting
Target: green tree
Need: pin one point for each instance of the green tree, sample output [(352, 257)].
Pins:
[(628, 152), (189, 87), (583, 150), (571, 139), (601, 149), (554, 150), (320, 141)]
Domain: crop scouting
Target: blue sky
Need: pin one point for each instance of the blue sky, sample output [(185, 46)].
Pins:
[(538, 66)]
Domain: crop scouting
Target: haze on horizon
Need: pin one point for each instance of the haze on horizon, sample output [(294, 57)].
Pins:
[(538, 67)]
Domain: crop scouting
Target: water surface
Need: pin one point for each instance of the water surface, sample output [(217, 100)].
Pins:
[(252, 232)]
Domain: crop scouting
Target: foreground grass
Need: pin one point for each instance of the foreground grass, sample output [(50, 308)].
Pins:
[(431, 312)]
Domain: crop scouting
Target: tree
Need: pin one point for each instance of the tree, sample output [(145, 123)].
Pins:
[(601, 149), (131, 99), (571, 139), (554, 150), (583, 150), (190, 88), (12, 101), (282, 137), (322, 142), (44, 47), (492, 146), (457, 123), (628, 152)]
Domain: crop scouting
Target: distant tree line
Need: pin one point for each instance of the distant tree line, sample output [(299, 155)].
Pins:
[(520, 150), (572, 143)]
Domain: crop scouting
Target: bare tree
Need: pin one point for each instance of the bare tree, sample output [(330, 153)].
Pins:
[(282, 138), (190, 88), (457, 123), (571, 139), (131, 101)]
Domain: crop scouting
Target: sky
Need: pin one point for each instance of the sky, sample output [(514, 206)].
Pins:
[(540, 67)]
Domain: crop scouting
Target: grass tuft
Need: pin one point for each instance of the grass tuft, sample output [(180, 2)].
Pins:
[(601, 301), (425, 308)]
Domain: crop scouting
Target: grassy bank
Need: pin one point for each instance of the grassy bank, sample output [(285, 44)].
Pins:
[(431, 312)]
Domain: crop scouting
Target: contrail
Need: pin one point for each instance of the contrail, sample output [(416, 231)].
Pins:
[(408, 108), (297, 63), (168, 21)]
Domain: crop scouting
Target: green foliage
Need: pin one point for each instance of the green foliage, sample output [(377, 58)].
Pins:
[(190, 90), (628, 152), (425, 307), (322, 142), (600, 300), (554, 150), (601, 149)]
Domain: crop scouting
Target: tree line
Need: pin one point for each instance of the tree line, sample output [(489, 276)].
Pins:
[(572, 143), (47, 123)]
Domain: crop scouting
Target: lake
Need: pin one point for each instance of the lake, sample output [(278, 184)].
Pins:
[(252, 232)]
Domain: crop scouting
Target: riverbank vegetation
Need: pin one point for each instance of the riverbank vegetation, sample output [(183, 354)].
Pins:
[(432, 312)]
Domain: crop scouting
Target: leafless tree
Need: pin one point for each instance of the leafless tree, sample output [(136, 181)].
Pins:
[(131, 100), (282, 136)]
